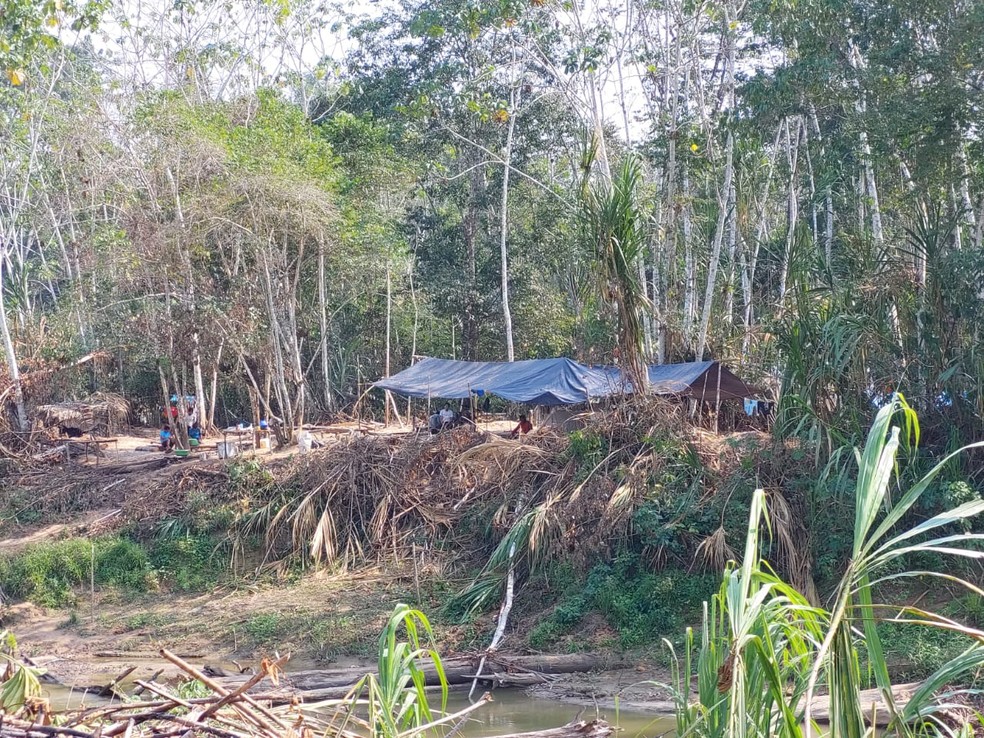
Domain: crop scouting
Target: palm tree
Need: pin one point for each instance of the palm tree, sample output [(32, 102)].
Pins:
[(616, 233)]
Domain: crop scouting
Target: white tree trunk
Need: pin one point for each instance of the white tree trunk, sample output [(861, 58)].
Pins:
[(690, 276), (751, 261), (792, 206), (504, 224), (323, 316), (729, 288), (724, 209), (12, 367)]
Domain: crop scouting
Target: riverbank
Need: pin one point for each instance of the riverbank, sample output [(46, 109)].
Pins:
[(624, 530)]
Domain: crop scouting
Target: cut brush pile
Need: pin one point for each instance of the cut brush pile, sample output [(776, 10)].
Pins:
[(365, 497), (549, 497)]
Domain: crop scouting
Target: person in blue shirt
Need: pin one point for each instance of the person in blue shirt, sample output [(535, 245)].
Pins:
[(167, 440)]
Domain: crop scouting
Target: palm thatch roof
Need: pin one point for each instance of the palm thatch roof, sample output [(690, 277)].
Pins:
[(103, 410)]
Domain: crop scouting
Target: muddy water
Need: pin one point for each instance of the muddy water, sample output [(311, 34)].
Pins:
[(512, 711)]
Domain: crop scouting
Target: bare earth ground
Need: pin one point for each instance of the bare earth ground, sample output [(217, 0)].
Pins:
[(309, 619)]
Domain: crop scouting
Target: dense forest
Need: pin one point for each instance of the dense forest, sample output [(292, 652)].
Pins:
[(285, 200), (270, 204)]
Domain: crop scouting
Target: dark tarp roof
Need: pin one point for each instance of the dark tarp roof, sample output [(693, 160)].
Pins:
[(536, 382), (557, 381), (699, 379)]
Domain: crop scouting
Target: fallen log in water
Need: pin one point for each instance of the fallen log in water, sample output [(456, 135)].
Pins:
[(575, 729), (875, 711), (503, 670)]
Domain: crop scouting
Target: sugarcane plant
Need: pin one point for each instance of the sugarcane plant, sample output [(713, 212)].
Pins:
[(19, 683), (394, 699), (765, 651)]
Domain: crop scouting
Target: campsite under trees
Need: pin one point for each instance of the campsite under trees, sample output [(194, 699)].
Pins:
[(266, 206)]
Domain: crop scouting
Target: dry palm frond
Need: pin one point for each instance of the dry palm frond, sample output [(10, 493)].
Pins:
[(794, 559), (714, 553)]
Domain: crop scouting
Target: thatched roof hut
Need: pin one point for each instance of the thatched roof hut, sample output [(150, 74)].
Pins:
[(104, 412)]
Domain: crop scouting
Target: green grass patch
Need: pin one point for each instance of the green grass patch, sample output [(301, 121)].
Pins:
[(49, 574), (331, 636), (913, 652), (266, 628), (641, 606), (188, 563)]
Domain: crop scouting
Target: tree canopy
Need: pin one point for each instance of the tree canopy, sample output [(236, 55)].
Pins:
[(268, 204)]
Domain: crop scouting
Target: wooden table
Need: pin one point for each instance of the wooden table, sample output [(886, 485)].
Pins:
[(85, 443), (239, 435)]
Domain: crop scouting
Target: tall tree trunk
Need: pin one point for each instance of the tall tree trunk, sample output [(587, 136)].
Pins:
[(213, 396), (792, 206), (689, 265), (504, 222), (281, 391), (724, 208), (13, 369), (323, 317), (750, 263), (470, 224), (729, 287), (196, 351)]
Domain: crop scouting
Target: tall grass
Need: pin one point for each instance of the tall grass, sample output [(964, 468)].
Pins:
[(765, 651)]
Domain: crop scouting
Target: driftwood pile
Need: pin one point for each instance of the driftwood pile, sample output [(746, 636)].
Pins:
[(260, 706), (500, 671)]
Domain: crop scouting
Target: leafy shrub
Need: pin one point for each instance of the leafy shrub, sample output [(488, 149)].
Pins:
[(187, 563), (123, 563), (587, 448), (641, 605), (48, 573)]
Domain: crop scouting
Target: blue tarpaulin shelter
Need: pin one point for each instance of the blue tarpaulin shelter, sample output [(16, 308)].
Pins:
[(558, 381)]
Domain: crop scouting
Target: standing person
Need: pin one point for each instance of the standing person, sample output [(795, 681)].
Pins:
[(524, 427)]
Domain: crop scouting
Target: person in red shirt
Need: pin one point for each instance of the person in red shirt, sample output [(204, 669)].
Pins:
[(524, 427)]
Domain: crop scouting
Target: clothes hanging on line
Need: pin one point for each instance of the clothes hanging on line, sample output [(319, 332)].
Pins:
[(758, 407)]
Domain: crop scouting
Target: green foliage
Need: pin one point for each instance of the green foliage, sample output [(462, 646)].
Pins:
[(764, 648), (20, 683), (192, 689), (265, 628), (587, 449), (29, 26), (615, 228), (641, 606), (188, 562), (914, 652), (395, 696), (49, 573)]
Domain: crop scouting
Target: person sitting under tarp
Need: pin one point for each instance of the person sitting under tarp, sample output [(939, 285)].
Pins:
[(523, 428), (434, 423), (167, 440), (447, 416)]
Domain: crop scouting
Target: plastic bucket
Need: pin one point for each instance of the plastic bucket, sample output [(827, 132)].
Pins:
[(304, 442), (227, 449)]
